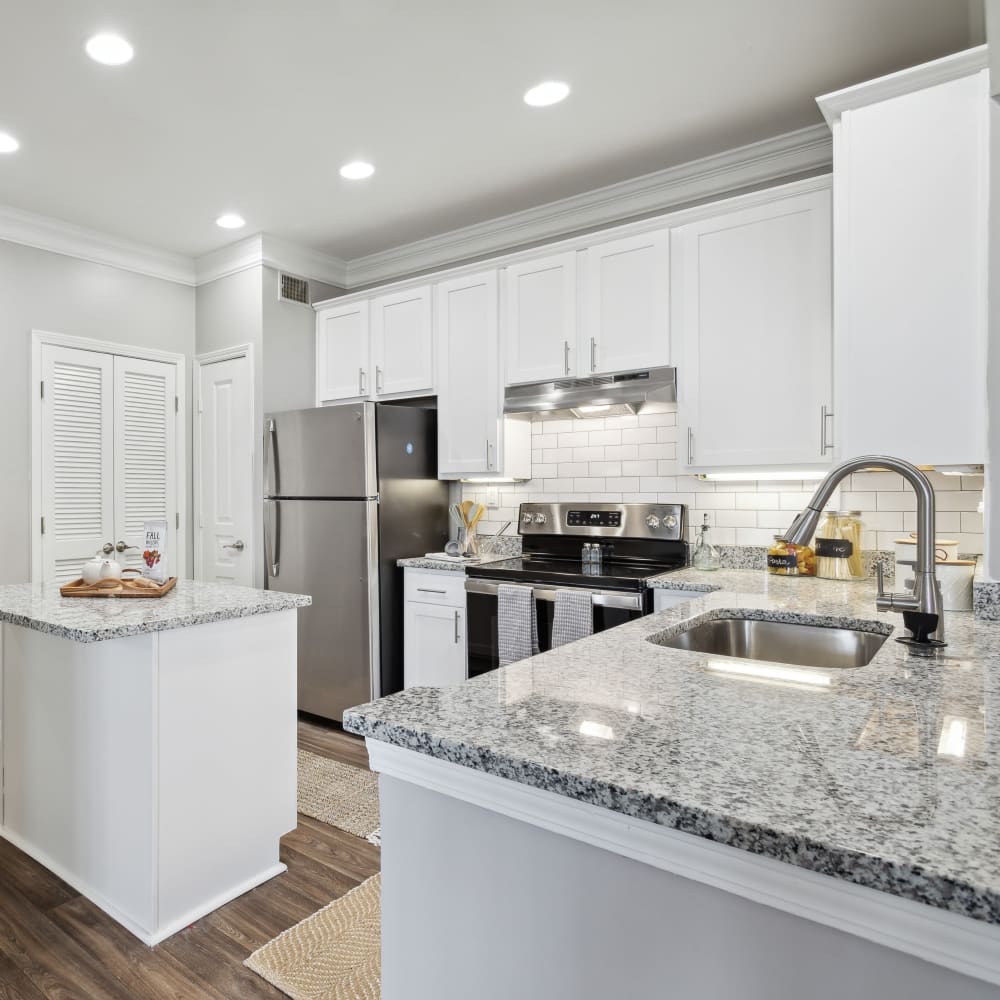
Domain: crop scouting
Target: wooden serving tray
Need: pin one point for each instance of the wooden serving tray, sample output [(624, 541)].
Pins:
[(116, 588)]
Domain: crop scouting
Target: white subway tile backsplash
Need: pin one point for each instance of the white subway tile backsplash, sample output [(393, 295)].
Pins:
[(633, 459)]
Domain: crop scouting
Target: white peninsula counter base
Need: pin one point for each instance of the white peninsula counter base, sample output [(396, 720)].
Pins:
[(154, 772)]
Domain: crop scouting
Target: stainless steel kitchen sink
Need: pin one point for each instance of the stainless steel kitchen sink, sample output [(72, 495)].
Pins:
[(780, 642)]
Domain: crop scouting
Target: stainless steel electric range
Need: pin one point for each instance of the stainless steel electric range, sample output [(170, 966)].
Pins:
[(637, 540)]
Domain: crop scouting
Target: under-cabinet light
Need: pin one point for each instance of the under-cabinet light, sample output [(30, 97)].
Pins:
[(961, 470), (782, 475)]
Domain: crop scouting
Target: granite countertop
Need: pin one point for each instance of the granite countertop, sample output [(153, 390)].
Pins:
[(451, 565), (887, 775), (91, 619)]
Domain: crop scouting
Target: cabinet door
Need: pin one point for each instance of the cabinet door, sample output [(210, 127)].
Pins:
[(433, 645), (465, 318), (756, 334), (540, 326), (342, 352), (626, 305), (911, 232), (403, 342)]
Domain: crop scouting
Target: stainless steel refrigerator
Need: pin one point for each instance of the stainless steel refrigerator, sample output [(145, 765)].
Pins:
[(349, 490)]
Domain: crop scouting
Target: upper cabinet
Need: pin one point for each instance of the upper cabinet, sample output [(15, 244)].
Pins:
[(403, 342), (378, 348), (910, 231), (754, 328), (342, 365), (625, 303), (540, 321)]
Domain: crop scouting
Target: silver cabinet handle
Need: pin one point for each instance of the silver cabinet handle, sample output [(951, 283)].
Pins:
[(489, 454), (593, 354), (456, 625), (430, 590), (238, 545), (272, 536), (378, 379), (361, 381), (825, 444), (565, 357), (690, 446)]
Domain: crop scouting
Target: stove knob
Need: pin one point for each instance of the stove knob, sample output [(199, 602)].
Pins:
[(540, 519), (526, 519), (670, 521), (652, 521)]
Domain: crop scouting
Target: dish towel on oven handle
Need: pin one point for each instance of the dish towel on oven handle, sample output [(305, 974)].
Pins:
[(517, 624), (573, 617)]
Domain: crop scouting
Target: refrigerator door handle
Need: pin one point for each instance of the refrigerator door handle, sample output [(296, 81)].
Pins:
[(272, 536), (271, 458)]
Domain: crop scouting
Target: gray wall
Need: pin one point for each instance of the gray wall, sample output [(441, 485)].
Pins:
[(47, 291), (991, 506)]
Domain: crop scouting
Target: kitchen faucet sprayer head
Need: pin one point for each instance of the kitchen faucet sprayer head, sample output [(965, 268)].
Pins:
[(803, 527)]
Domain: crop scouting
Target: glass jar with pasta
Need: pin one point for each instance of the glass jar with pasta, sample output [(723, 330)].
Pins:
[(838, 546), (786, 559)]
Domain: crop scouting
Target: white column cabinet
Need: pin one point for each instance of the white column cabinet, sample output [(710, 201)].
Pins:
[(466, 327), (625, 301), (402, 342), (540, 324), (910, 161), (754, 324), (434, 642), (342, 365)]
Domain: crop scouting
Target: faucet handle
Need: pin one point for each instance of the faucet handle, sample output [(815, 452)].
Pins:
[(880, 575)]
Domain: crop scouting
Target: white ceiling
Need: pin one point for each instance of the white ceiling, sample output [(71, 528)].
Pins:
[(252, 105)]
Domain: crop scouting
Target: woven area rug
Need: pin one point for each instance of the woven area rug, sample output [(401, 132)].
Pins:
[(339, 794), (336, 954)]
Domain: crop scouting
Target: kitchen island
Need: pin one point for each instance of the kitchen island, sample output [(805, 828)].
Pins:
[(621, 818), (148, 745)]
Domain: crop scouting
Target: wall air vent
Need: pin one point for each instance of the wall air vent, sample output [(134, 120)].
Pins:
[(294, 289)]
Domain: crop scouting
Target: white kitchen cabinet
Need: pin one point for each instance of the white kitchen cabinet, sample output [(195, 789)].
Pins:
[(625, 298), (402, 342), (540, 323), (342, 352), (434, 648), (753, 325), (910, 168)]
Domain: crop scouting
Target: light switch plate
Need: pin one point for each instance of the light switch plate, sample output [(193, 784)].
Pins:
[(492, 497)]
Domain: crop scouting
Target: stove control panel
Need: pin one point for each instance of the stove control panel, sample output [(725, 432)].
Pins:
[(666, 522)]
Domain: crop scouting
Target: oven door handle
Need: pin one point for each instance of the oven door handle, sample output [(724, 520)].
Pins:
[(599, 598)]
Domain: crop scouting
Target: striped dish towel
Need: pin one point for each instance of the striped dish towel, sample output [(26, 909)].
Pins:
[(573, 617), (517, 625)]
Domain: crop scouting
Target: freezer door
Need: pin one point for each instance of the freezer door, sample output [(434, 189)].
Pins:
[(328, 451), (328, 549)]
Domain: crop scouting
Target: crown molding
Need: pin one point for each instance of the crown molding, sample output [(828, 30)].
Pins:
[(765, 162), (906, 81), (56, 236), (270, 251)]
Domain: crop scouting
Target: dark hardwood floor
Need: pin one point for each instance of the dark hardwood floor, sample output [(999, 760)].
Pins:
[(55, 943)]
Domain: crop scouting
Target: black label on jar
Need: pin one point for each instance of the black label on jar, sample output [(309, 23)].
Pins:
[(783, 562), (834, 548)]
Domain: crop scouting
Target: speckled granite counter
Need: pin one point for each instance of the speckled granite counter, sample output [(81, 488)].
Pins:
[(887, 776), (90, 619), (449, 565)]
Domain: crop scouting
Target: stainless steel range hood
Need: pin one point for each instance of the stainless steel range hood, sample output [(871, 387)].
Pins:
[(635, 392)]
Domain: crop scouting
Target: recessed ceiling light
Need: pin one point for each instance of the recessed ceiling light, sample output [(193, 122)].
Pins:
[(111, 50), (230, 221), (8, 144), (549, 92), (356, 170)]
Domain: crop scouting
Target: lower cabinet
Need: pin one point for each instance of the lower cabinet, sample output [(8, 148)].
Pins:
[(433, 628)]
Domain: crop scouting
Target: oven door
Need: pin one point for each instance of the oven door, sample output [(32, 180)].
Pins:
[(611, 608)]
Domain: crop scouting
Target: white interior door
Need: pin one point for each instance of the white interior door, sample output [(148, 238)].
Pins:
[(77, 498), (226, 472), (145, 462)]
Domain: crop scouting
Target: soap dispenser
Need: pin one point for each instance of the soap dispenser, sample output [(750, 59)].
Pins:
[(706, 555)]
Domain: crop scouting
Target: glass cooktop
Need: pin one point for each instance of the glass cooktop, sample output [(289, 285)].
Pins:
[(537, 569)]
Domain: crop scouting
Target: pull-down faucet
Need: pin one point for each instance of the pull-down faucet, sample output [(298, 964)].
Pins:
[(921, 609)]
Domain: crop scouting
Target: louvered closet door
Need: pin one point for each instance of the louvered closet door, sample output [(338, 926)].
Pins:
[(145, 454), (77, 465)]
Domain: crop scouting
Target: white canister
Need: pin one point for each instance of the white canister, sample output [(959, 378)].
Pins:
[(955, 577), (945, 549)]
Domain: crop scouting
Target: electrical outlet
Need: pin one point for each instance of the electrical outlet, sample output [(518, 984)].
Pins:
[(492, 497)]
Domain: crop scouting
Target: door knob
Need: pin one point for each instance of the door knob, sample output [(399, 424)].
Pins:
[(238, 545), (107, 548), (123, 546)]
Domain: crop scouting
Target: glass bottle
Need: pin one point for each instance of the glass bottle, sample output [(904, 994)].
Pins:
[(706, 555)]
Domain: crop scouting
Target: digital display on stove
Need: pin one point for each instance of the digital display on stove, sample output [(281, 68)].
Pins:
[(594, 518)]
